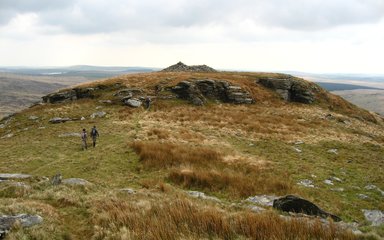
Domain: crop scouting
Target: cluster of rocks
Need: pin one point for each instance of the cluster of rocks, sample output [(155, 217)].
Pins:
[(197, 91), (290, 89), (181, 67), (69, 95), (130, 97)]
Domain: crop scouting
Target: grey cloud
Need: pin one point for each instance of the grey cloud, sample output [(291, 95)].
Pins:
[(98, 16)]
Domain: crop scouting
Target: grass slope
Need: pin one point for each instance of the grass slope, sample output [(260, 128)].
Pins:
[(228, 151)]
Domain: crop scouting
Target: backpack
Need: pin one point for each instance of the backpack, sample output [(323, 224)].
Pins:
[(93, 132)]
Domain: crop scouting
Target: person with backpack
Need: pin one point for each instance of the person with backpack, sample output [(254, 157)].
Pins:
[(94, 135), (147, 102), (84, 139)]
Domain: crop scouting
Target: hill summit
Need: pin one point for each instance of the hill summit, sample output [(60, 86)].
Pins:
[(181, 67)]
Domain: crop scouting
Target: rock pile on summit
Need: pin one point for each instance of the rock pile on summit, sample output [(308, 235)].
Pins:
[(181, 67)]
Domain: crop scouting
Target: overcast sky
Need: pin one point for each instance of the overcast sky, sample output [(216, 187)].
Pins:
[(261, 35)]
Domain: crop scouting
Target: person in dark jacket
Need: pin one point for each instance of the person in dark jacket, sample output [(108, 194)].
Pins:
[(94, 135)]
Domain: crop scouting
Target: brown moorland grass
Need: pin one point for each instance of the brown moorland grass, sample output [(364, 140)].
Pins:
[(155, 154), (180, 219)]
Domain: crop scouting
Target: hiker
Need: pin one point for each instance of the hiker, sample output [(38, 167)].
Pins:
[(147, 102), (84, 139), (94, 135)]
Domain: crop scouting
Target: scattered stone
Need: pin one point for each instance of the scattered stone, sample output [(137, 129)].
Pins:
[(336, 179), (7, 176), (133, 102), (376, 217), (9, 135), (201, 195), (75, 181), (128, 190), (74, 134), (334, 151), (2, 126), (98, 114), (306, 183), (370, 187), (25, 220), (197, 91), (295, 204), (181, 67), (362, 196), (98, 107), (264, 200), (299, 142), (56, 120), (57, 179), (313, 176), (82, 118), (257, 209), (297, 149), (41, 127), (337, 189), (329, 182), (105, 101), (33, 118)]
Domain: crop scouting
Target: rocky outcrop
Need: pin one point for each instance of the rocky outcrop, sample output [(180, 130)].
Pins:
[(375, 217), (290, 89), (69, 95), (8, 176), (56, 120), (181, 67), (76, 181), (133, 102), (25, 220), (295, 204), (197, 91)]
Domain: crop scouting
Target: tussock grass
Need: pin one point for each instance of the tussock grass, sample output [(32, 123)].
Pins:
[(180, 218), (235, 181), (162, 154)]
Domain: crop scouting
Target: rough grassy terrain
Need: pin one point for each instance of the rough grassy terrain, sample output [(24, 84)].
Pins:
[(227, 151)]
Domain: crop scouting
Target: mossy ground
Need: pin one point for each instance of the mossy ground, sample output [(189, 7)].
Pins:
[(255, 142)]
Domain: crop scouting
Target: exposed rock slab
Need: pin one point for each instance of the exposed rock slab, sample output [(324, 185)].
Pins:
[(69, 95), (264, 200), (133, 102), (295, 204), (25, 220), (290, 89), (202, 195), (75, 181), (7, 176), (98, 114), (375, 217), (306, 183), (56, 120), (197, 91)]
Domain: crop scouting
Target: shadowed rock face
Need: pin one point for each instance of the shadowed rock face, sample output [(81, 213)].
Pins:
[(295, 204), (69, 95), (198, 90), (289, 89), (181, 67)]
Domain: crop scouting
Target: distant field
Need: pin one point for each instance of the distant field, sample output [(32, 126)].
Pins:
[(372, 100), (21, 87)]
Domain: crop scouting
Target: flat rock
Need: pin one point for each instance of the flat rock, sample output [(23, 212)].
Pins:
[(98, 114), (362, 196), (257, 209), (328, 182), (33, 118), (306, 183), (7, 176), (296, 204), (133, 102), (202, 195), (9, 135), (56, 120), (105, 101), (25, 220), (334, 151), (376, 217), (264, 200), (128, 190), (75, 181)]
